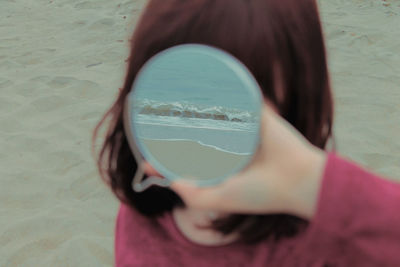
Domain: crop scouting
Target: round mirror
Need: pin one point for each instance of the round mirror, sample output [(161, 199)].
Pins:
[(193, 113)]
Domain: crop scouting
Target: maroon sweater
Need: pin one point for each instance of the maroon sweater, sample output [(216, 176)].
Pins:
[(357, 223)]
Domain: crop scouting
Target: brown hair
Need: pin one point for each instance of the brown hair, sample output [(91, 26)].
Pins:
[(262, 34)]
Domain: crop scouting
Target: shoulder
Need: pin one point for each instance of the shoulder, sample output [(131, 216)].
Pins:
[(130, 219), (130, 215)]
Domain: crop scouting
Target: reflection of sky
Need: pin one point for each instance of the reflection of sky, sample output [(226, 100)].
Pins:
[(193, 78)]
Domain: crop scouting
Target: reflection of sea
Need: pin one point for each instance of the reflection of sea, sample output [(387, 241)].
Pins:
[(235, 137)]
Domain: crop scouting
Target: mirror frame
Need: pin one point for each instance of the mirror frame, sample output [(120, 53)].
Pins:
[(141, 153)]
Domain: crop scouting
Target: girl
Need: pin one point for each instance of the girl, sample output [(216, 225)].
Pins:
[(297, 203)]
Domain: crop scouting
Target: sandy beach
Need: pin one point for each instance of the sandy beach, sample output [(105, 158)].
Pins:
[(61, 64)]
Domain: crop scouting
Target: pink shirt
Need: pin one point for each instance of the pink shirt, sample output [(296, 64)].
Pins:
[(357, 223)]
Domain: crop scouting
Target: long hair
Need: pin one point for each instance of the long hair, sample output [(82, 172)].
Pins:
[(273, 38)]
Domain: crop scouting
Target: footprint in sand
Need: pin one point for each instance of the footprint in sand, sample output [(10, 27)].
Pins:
[(49, 103), (32, 88), (71, 87), (35, 57), (361, 41), (61, 81)]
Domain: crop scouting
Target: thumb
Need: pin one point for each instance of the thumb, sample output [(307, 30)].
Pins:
[(182, 185)]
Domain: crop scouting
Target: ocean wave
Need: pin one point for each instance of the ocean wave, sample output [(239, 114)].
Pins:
[(189, 110)]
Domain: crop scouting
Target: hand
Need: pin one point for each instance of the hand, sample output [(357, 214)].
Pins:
[(283, 177)]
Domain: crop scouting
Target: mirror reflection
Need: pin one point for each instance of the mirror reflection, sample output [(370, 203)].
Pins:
[(195, 113)]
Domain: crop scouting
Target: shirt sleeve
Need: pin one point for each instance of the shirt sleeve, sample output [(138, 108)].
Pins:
[(357, 220)]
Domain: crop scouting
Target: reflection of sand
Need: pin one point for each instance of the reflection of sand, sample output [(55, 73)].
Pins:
[(189, 158)]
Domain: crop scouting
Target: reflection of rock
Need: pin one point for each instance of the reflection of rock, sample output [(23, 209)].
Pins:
[(205, 116), (221, 117), (187, 114), (171, 110)]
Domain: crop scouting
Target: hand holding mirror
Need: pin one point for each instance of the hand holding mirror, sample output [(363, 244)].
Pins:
[(193, 113)]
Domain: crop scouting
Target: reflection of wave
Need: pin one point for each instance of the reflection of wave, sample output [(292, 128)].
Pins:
[(247, 127), (189, 110)]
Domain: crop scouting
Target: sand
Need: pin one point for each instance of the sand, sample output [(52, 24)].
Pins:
[(61, 64), (363, 42)]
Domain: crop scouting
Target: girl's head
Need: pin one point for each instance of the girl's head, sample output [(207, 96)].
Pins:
[(280, 42)]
